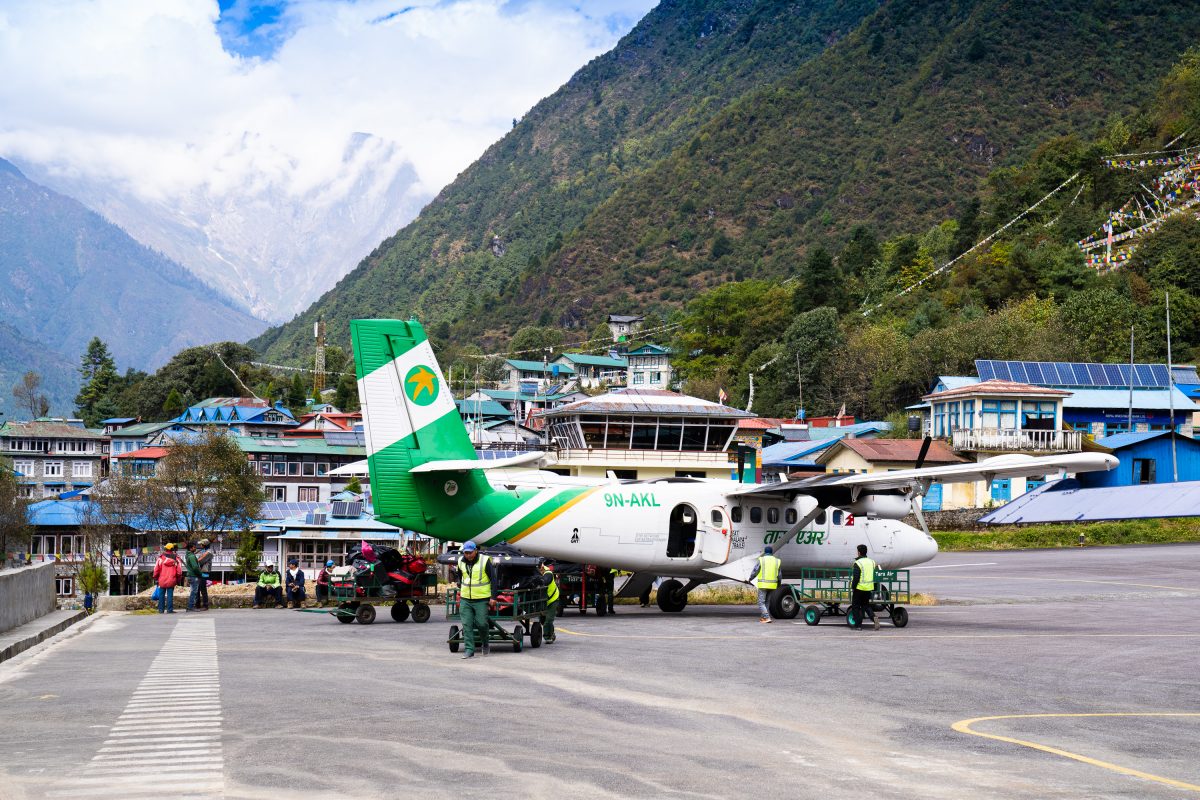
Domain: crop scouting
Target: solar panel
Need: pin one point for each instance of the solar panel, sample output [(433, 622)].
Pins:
[(346, 509), (1080, 374), (984, 368), (1112, 375), (1034, 372), (1001, 371), (1096, 373), (1126, 374), (1066, 376), (1017, 370), (1160, 376)]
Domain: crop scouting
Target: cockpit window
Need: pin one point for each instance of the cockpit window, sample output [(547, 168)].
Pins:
[(716, 517)]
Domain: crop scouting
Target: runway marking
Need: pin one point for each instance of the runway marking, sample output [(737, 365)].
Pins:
[(170, 730), (1054, 579), (964, 726), (866, 635), (952, 566)]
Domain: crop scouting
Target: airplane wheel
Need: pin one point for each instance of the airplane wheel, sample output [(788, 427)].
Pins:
[(671, 597), (784, 604), (812, 615), (453, 636), (365, 614), (899, 616), (420, 612), (399, 611)]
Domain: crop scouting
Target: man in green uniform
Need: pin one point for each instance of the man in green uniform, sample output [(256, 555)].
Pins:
[(477, 582), (766, 578), (550, 581), (268, 588), (863, 584)]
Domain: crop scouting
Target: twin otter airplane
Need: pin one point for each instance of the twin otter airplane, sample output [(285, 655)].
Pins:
[(427, 477)]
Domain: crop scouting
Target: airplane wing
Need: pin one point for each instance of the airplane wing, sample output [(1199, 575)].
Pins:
[(465, 464), (830, 489)]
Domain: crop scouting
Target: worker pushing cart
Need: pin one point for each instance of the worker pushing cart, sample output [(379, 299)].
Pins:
[(515, 592), (477, 583)]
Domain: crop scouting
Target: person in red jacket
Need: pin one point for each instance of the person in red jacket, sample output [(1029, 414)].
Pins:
[(166, 576)]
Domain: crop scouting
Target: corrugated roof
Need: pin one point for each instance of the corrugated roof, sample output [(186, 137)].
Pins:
[(643, 402), (116, 420), (537, 366), (894, 450), (1144, 399), (857, 429), (649, 349), (594, 361), (262, 444), (47, 430), (507, 394), (60, 513), (788, 453), (997, 387), (481, 408), (1064, 501), (1119, 440), (145, 452), (625, 318), (141, 429)]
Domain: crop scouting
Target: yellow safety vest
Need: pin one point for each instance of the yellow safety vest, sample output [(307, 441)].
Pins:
[(474, 580), (552, 590), (866, 574), (768, 572)]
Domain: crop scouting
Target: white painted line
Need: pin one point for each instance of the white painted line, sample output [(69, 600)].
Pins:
[(137, 778), (136, 759), (955, 566), (157, 743)]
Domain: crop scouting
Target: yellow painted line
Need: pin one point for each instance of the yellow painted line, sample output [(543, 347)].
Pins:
[(865, 636), (1052, 579), (964, 726), (553, 514)]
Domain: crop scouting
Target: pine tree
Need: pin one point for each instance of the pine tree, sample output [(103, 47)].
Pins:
[(174, 405), (98, 373)]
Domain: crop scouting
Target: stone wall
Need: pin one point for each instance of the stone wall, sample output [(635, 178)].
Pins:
[(962, 519), (26, 593)]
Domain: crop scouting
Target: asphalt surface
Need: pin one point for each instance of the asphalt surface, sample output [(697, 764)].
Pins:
[(707, 703)]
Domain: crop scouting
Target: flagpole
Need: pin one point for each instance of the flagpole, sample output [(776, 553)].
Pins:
[(1171, 392), (1129, 421)]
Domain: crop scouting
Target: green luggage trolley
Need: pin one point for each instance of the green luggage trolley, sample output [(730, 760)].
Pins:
[(827, 593), (524, 608), (354, 602)]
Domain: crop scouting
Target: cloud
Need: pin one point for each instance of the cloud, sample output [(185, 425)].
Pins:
[(165, 97)]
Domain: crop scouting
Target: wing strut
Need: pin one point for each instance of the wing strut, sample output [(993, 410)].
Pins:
[(740, 570)]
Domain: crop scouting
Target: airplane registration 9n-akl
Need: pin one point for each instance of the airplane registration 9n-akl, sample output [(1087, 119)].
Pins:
[(427, 477)]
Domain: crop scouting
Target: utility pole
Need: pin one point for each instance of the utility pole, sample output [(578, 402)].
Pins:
[(1171, 393), (319, 363), (1129, 419)]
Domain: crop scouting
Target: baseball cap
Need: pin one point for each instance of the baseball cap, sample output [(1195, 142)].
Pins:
[(329, 563), (469, 547)]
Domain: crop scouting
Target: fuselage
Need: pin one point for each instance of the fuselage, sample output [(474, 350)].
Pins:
[(682, 527)]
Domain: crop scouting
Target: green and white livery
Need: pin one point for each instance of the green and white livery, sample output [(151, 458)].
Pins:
[(426, 477)]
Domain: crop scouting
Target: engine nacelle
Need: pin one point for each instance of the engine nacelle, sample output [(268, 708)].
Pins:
[(882, 506)]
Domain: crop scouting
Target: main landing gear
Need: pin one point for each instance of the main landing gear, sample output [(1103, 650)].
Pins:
[(673, 595)]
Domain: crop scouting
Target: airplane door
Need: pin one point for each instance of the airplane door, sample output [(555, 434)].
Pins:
[(881, 536), (718, 535)]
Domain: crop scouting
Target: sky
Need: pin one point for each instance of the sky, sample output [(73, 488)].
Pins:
[(164, 96)]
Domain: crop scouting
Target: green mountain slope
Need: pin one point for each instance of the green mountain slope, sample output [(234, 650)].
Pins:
[(624, 111), (893, 128)]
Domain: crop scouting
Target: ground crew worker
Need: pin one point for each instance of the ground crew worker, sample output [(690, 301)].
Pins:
[(863, 584), (766, 577), (610, 588), (550, 581), (477, 583)]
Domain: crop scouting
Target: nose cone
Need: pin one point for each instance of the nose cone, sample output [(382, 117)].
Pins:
[(925, 548)]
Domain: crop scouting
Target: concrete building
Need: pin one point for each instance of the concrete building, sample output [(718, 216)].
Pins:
[(52, 457), (328, 532), (622, 326), (298, 470), (649, 367), (128, 435), (595, 371), (643, 434), (1146, 458), (529, 377), (245, 416)]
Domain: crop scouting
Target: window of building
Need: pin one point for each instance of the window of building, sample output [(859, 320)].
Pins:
[(308, 469), (1143, 470), (276, 494), (772, 516), (1038, 415), (1111, 428), (25, 491), (1000, 415), (1002, 490), (789, 516), (308, 494), (81, 469), (656, 377), (322, 469), (26, 468), (293, 468), (280, 468), (639, 377), (939, 419), (755, 515), (690, 473), (64, 587), (735, 513), (52, 469)]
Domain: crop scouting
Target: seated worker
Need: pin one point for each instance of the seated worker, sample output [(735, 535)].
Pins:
[(323, 583), (294, 584), (268, 586)]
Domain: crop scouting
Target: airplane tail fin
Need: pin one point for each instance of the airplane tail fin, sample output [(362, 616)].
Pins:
[(410, 419)]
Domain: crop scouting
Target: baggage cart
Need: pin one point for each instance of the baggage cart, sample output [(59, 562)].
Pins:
[(580, 590), (356, 602), (827, 593), (523, 608)]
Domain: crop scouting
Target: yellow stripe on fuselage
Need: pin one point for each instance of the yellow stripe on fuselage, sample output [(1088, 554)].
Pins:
[(554, 514)]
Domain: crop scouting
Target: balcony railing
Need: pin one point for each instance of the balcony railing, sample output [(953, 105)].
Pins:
[(617, 456), (1017, 441)]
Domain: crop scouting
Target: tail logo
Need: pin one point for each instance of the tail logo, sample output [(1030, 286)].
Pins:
[(420, 385)]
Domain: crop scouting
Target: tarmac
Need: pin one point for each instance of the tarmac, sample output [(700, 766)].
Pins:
[(1044, 674)]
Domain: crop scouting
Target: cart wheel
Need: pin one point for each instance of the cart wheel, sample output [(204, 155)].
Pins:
[(453, 639), (852, 618), (399, 611), (535, 635), (365, 614), (518, 635), (786, 606), (812, 615), (899, 616), (346, 618), (420, 612)]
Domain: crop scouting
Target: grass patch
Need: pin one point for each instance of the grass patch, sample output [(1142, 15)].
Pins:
[(1141, 531)]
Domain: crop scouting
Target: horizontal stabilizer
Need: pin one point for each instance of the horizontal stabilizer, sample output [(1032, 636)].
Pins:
[(465, 464)]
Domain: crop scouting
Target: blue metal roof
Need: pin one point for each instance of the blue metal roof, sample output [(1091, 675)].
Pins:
[(59, 513), (1119, 440), (1143, 399), (791, 453), (857, 429), (1064, 501)]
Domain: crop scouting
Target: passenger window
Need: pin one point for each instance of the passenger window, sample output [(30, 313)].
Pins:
[(735, 513), (837, 518), (820, 520), (772, 516), (755, 515), (789, 516), (716, 517)]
